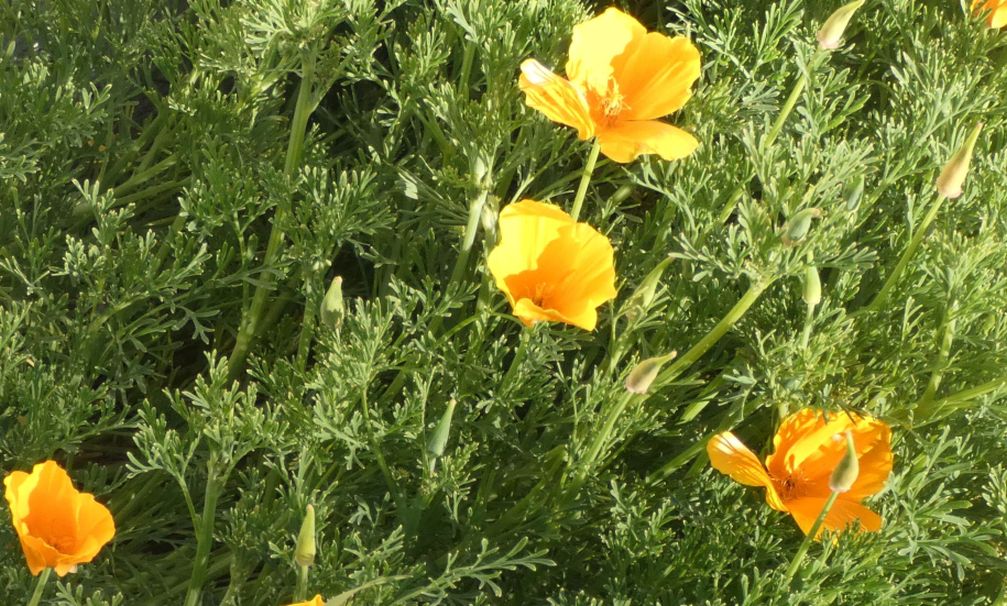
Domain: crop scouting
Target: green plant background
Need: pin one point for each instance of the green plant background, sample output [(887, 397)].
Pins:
[(149, 147)]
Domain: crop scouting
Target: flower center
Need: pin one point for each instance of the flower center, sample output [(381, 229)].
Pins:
[(790, 487), (541, 293), (613, 103)]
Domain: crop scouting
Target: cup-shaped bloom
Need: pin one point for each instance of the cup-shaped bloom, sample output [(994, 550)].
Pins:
[(807, 450), (550, 266), (995, 11), (619, 79), (315, 601), (58, 526)]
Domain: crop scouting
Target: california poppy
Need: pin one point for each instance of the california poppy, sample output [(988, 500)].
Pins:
[(550, 266), (807, 448), (315, 601), (997, 11), (58, 526), (620, 79)]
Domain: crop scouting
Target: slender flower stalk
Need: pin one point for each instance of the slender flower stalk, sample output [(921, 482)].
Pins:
[(40, 583), (585, 179), (251, 319), (795, 563)]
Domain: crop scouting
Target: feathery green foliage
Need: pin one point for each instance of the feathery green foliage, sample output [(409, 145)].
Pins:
[(180, 182)]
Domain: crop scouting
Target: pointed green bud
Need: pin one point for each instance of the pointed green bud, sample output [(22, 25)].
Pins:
[(812, 287), (644, 373), (846, 473), (304, 552), (852, 193), (797, 228), (831, 34), (331, 313), (442, 432), (952, 177)]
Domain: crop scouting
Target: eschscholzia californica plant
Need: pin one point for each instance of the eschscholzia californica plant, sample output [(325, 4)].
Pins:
[(58, 526), (619, 79), (315, 601), (807, 450), (995, 10), (551, 267)]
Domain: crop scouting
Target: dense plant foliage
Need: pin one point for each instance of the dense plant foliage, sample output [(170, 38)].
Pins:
[(182, 181)]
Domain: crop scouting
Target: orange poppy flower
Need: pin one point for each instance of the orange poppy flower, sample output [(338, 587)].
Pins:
[(315, 601), (58, 526), (550, 266), (620, 79), (997, 11), (807, 448)]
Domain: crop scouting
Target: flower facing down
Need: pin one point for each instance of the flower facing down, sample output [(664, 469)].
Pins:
[(620, 79), (315, 601), (58, 526), (995, 10), (807, 449), (550, 266)]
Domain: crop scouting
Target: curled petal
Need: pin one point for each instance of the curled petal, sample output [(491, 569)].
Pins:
[(555, 97), (731, 457)]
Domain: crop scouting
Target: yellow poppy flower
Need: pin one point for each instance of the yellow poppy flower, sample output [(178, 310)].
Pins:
[(551, 267), (620, 79), (58, 526), (315, 601), (997, 11), (807, 448)]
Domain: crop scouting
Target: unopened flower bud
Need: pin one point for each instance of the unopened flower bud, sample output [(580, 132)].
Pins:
[(952, 177), (439, 440), (331, 312), (304, 552), (797, 228), (831, 34), (812, 287), (644, 373), (846, 473)]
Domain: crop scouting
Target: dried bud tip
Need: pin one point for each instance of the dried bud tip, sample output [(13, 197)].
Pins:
[(831, 34), (952, 177), (644, 373)]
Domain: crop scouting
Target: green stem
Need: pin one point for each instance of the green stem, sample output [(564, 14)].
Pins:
[(36, 596), (809, 317), (301, 593), (907, 255), (774, 132), (468, 240), (725, 324), (204, 537), (601, 438), (250, 321), (924, 407), (585, 179), (806, 543)]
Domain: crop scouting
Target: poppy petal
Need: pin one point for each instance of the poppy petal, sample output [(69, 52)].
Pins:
[(624, 141), (844, 513), (655, 75), (595, 45), (731, 457), (555, 97)]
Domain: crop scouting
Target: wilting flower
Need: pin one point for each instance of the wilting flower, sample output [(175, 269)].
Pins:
[(807, 449), (997, 11), (620, 79), (550, 266), (315, 601), (58, 526)]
